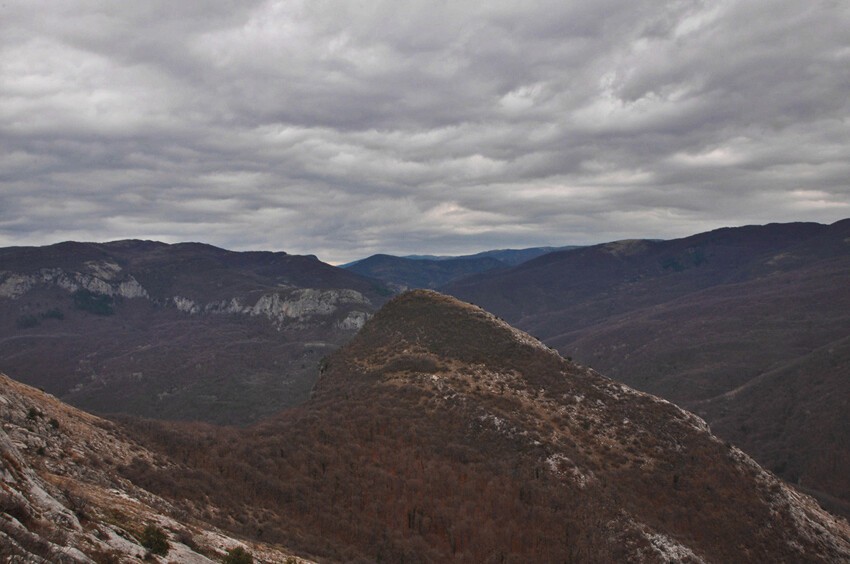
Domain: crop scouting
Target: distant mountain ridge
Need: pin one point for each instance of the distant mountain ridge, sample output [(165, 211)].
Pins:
[(175, 331), (404, 273), (430, 272), (511, 257), (713, 322)]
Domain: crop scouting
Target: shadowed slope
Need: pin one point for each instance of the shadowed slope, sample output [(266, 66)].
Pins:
[(696, 318)]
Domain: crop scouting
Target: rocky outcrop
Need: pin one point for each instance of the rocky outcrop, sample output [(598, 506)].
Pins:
[(24, 499), (101, 278), (106, 279), (306, 302), (14, 285), (295, 305), (63, 500), (354, 321)]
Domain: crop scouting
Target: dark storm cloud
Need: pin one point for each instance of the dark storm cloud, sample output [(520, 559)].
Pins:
[(342, 129)]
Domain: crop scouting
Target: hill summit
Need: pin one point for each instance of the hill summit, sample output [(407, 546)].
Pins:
[(423, 329)]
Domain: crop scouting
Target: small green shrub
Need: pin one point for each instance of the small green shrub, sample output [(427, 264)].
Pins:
[(93, 303), (153, 538), (26, 321), (382, 290), (238, 555), (54, 313)]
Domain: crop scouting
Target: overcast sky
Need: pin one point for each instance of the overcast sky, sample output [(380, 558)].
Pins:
[(342, 129)]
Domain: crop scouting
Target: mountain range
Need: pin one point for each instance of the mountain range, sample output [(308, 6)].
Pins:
[(748, 327), (434, 271), (173, 331), (510, 257), (438, 433), (387, 448)]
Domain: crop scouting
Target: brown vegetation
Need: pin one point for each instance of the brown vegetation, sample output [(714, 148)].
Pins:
[(441, 433)]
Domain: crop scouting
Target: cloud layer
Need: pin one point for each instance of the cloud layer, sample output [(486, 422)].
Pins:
[(343, 129)]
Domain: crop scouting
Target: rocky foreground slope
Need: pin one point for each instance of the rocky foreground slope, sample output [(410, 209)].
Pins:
[(62, 499), (441, 433), (185, 331)]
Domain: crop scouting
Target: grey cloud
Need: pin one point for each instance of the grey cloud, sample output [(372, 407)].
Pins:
[(340, 129)]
